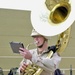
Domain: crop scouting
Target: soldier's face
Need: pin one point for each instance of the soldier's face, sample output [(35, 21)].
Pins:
[(38, 40)]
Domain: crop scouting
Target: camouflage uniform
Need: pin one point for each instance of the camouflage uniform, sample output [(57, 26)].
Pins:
[(47, 64)]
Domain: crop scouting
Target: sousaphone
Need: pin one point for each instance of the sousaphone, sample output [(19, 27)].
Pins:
[(50, 18)]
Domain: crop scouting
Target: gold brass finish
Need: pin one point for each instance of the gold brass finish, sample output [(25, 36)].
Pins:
[(63, 40), (60, 10)]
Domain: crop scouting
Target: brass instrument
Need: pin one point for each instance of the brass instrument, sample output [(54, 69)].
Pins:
[(53, 16)]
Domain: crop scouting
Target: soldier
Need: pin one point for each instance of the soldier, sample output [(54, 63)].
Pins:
[(39, 54)]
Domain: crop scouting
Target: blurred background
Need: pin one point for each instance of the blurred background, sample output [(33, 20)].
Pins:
[(16, 26)]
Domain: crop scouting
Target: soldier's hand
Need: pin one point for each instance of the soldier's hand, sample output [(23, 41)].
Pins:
[(25, 53), (23, 66)]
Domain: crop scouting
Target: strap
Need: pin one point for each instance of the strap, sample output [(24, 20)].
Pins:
[(53, 48)]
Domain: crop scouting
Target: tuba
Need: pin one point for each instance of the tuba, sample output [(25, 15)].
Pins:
[(51, 18), (61, 44)]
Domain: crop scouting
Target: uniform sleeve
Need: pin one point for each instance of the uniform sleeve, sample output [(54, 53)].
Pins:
[(51, 63), (48, 64), (34, 56)]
